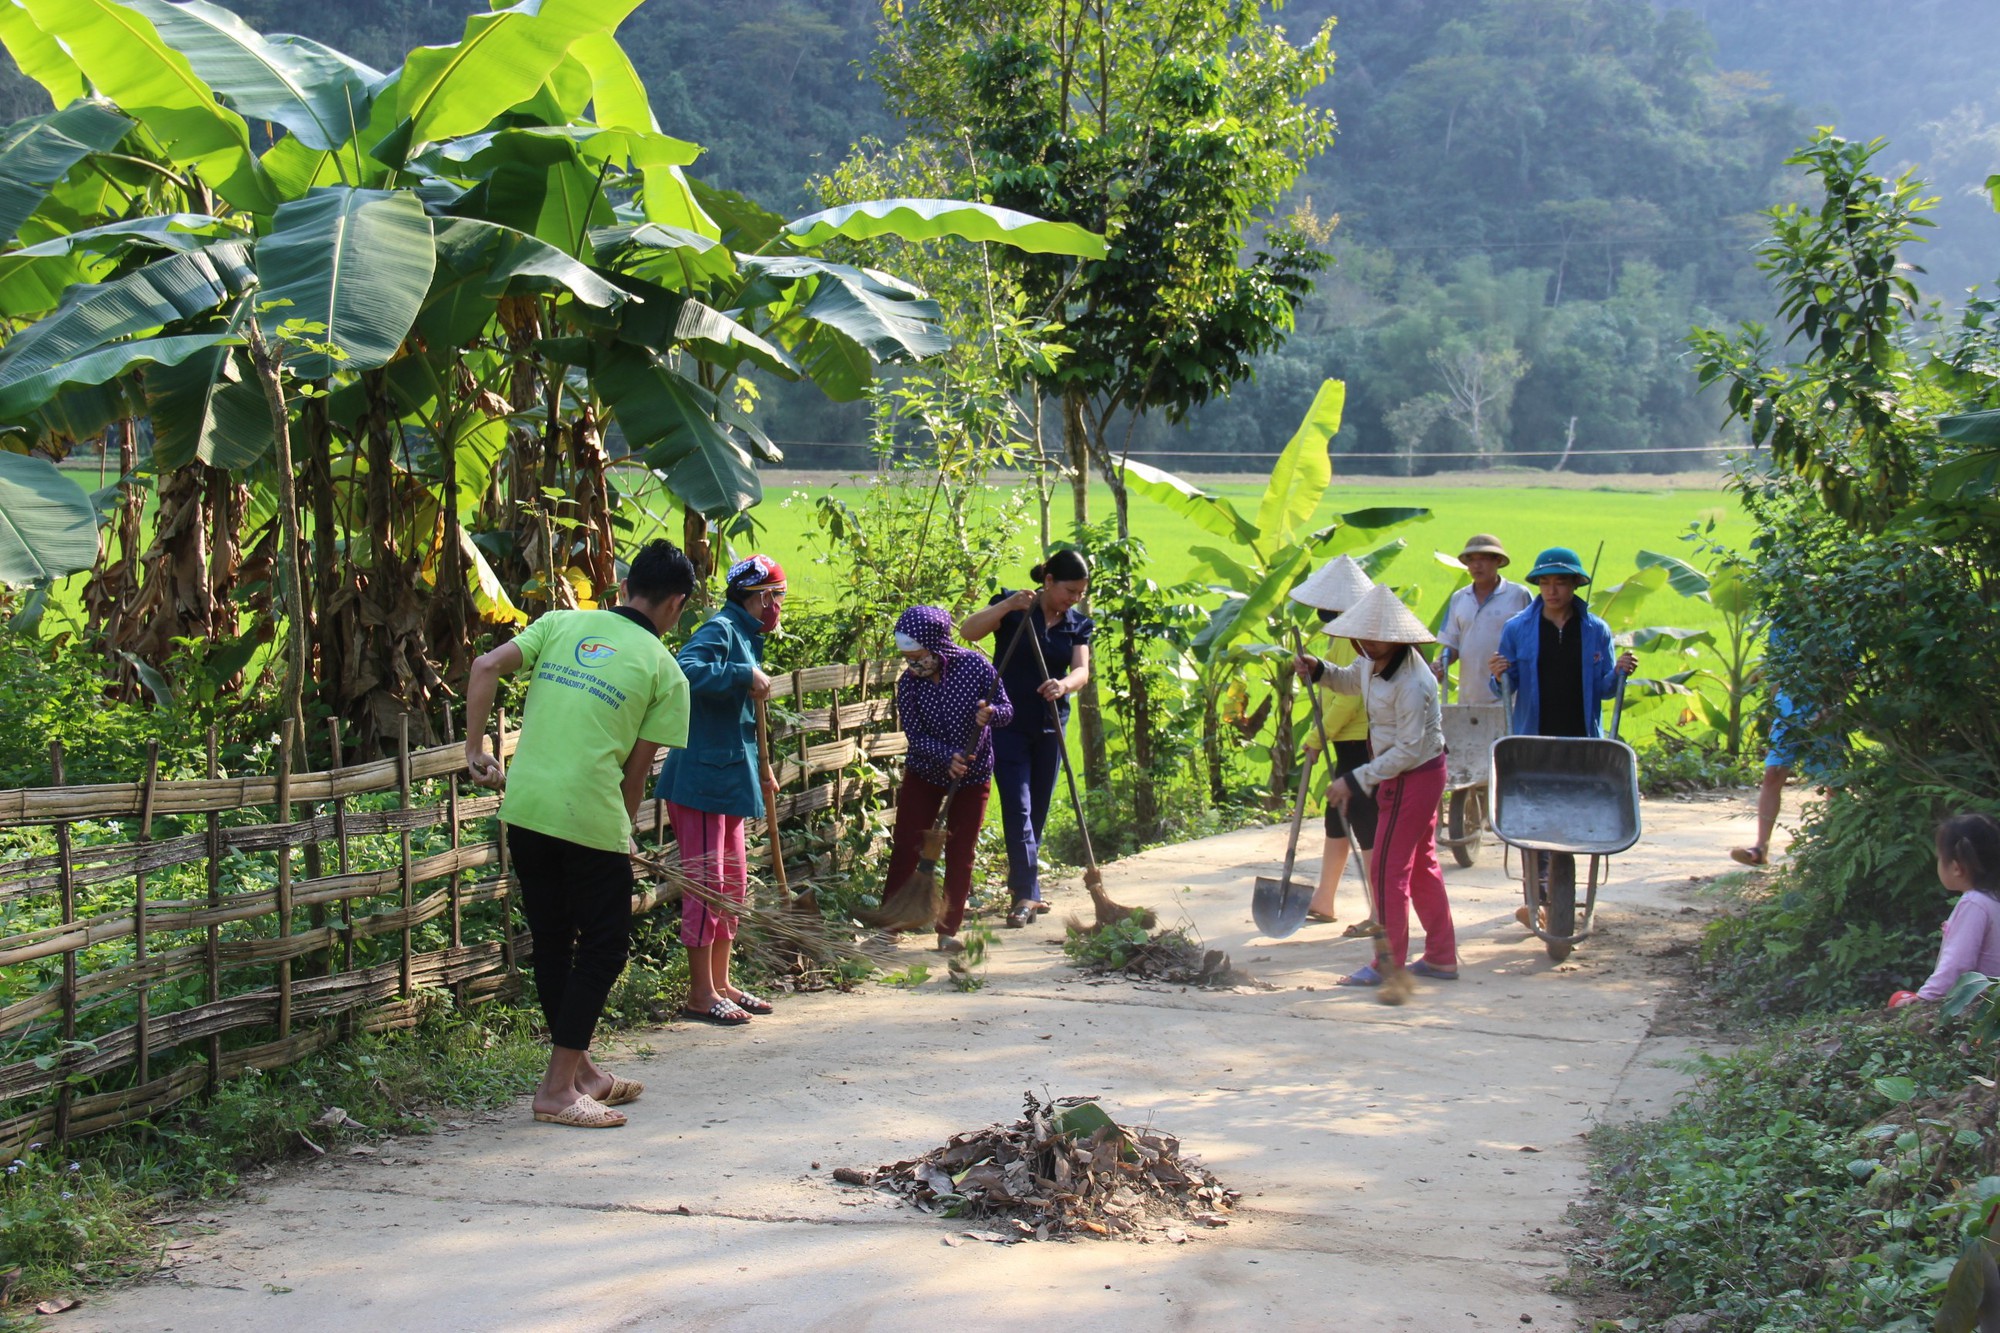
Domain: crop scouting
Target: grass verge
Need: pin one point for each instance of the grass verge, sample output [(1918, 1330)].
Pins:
[(1820, 1179)]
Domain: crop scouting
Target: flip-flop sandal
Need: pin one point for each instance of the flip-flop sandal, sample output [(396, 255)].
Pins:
[(1041, 908), (1420, 968), (583, 1113), (1749, 856), (723, 1013), (1322, 918), (623, 1090), (1360, 930), (754, 1005), (1365, 975)]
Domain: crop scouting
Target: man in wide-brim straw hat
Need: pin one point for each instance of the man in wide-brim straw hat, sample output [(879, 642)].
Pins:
[(1405, 776), (1475, 615), (1331, 589)]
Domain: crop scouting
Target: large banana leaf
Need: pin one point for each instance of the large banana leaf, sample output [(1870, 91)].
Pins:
[(673, 422), (164, 292), (1210, 513), (39, 152), (560, 203), (1253, 611), (37, 55), (618, 95), (929, 219), (82, 412), (1304, 467), (663, 320), (1683, 577), (503, 59), (47, 527), (1618, 605), (122, 54), (891, 320), (157, 231), (671, 256), (321, 100), (21, 396), (207, 408), (357, 263), (505, 260)]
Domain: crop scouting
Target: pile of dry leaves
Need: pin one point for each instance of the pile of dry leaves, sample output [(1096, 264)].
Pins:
[(1066, 1169)]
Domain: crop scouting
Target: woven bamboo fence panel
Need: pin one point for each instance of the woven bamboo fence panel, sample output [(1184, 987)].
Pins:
[(160, 936)]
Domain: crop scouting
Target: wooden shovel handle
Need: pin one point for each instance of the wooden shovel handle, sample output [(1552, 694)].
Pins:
[(770, 796)]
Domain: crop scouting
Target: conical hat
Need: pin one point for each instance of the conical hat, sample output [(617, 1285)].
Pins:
[(1334, 586), (1380, 615)]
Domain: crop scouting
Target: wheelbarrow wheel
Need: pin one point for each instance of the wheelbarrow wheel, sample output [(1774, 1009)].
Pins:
[(1562, 902), (1465, 818), (1549, 879)]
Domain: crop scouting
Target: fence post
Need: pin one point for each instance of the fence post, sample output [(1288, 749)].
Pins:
[(284, 813), (213, 948), (341, 855), (67, 873), (403, 839), (143, 1011)]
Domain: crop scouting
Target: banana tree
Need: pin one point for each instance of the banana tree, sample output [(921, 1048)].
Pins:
[(1264, 559), (410, 328)]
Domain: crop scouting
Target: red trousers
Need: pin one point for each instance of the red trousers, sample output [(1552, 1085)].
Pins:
[(1404, 867), (916, 810)]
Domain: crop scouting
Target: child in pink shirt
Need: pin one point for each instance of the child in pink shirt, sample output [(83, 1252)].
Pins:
[(1968, 864)]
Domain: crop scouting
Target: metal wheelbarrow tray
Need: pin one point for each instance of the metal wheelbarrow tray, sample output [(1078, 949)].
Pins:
[(1559, 797), (1469, 730)]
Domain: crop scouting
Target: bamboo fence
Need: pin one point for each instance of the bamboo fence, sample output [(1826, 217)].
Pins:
[(167, 935)]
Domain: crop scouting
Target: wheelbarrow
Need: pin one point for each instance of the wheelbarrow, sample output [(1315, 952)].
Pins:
[(1469, 730), (1556, 798)]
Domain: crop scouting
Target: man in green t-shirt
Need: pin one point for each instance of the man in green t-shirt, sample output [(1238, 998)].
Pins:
[(605, 696)]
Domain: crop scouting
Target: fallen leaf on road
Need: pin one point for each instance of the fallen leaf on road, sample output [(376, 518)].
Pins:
[(56, 1305), (1527, 1147), (336, 1118)]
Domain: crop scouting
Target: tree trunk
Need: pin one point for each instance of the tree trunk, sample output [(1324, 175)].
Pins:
[(289, 581), (1211, 740), (1284, 741), (1089, 714)]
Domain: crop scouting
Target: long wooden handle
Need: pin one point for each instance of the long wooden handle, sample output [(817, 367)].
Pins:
[(1062, 749), (770, 796), (1298, 816)]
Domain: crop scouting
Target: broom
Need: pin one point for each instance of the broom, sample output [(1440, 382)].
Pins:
[(806, 933), (1108, 912)]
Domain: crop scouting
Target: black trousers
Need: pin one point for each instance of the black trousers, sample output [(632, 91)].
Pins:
[(1348, 756), (578, 901)]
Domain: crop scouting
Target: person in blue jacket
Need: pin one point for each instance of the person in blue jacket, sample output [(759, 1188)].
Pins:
[(1558, 658), (716, 782), (1557, 655)]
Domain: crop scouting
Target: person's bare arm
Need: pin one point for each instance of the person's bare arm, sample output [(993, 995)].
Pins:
[(987, 619), (1074, 679), (480, 688), (638, 775)]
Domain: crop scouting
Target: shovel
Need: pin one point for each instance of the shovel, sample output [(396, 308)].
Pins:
[(1278, 905)]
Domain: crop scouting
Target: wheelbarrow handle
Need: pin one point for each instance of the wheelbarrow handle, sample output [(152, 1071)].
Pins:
[(1618, 707)]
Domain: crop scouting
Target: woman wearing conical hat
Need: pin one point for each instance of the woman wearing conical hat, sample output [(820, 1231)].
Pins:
[(1333, 588), (1406, 776)]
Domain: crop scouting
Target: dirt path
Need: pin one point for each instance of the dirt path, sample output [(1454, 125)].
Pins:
[(1401, 1168)]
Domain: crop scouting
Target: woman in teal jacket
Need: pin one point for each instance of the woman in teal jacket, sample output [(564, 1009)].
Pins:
[(716, 783)]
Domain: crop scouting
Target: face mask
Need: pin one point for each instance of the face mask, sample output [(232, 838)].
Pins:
[(923, 668), (768, 619)]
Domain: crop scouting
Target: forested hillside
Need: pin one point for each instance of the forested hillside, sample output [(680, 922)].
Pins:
[(1534, 198)]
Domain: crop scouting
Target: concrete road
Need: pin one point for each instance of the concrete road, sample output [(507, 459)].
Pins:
[(1401, 1168)]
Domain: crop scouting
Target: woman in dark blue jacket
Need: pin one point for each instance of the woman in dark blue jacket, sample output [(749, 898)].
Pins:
[(716, 783)]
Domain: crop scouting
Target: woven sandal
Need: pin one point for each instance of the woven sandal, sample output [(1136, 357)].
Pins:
[(1749, 856), (623, 1090), (583, 1113), (1365, 975), (723, 1013), (754, 1005)]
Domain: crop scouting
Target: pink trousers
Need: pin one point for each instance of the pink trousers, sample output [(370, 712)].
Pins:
[(712, 856), (1404, 869)]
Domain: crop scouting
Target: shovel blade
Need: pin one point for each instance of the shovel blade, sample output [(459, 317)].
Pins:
[(1279, 906)]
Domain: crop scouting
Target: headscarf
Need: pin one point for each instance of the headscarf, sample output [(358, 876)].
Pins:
[(929, 627)]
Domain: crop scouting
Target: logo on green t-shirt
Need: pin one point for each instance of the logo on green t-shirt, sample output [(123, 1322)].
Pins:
[(594, 652)]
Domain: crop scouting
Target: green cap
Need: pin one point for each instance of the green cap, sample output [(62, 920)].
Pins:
[(1558, 560)]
